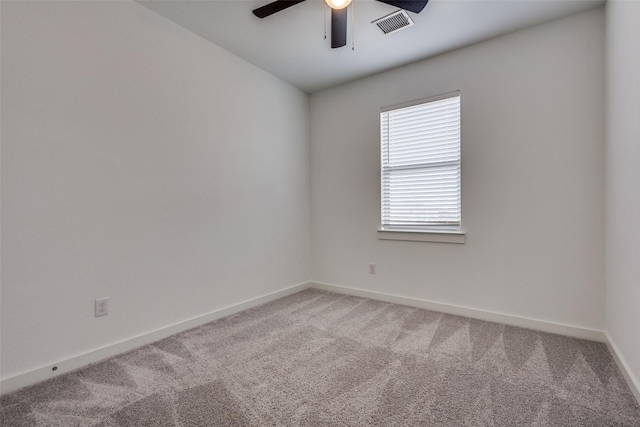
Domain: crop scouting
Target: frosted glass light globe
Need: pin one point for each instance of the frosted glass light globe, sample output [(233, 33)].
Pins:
[(337, 4)]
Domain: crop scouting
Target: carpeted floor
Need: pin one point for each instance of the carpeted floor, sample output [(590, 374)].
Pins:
[(323, 359)]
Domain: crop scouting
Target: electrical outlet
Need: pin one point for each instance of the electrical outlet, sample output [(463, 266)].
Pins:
[(102, 307), (372, 269)]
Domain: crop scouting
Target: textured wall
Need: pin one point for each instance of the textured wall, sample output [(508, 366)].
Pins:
[(140, 163), (532, 178)]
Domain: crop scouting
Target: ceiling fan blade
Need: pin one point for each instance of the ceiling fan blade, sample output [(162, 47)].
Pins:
[(414, 6), (274, 7), (338, 27)]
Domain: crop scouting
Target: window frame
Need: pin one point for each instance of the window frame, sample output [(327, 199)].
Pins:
[(420, 233)]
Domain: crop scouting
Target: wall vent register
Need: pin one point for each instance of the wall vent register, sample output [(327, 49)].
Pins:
[(394, 22)]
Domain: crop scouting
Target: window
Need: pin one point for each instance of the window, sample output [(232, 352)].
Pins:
[(420, 143)]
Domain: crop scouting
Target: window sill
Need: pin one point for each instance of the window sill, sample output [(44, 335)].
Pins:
[(423, 236)]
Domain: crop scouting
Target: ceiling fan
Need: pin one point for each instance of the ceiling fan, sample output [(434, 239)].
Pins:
[(338, 14)]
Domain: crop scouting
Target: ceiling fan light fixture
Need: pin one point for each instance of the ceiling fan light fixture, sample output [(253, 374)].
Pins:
[(337, 4)]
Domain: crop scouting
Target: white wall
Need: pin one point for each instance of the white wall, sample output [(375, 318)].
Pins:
[(622, 181), (532, 178), (140, 163), (145, 164)]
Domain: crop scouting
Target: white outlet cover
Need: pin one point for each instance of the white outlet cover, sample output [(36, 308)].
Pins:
[(102, 307)]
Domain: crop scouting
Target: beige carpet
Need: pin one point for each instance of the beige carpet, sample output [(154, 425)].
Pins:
[(323, 359)]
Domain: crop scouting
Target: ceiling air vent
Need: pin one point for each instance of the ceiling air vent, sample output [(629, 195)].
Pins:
[(394, 22)]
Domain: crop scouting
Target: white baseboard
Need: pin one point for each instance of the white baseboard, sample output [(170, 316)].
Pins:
[(40, 374), (523, 322), (45, 372), (627, 373)]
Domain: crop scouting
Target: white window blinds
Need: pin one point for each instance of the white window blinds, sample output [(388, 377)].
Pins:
[(421, 164)]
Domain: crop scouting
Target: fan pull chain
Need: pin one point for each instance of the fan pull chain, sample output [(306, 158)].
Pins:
[(324, 13), (353, 27)]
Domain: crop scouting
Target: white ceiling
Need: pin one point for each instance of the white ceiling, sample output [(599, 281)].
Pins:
[(291, 45)]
